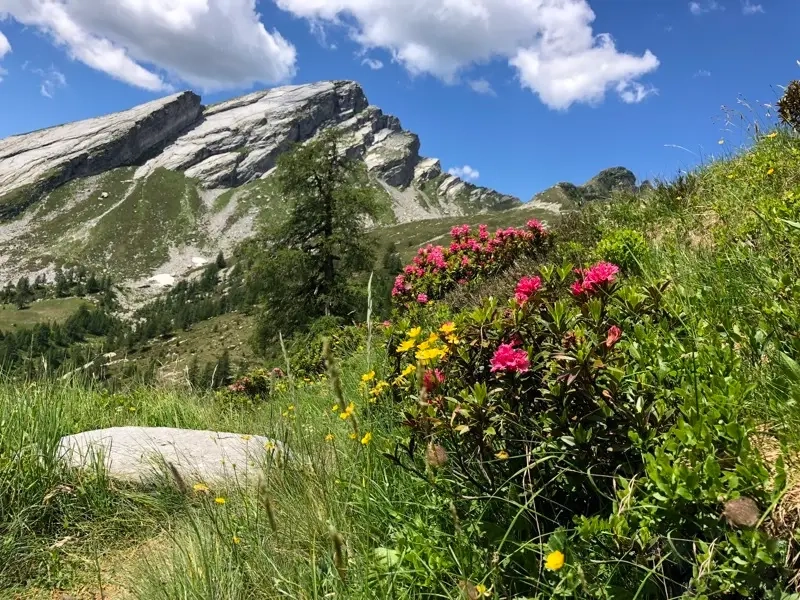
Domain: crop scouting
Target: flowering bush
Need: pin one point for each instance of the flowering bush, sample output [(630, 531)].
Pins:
[(576, 397), (436, 269)]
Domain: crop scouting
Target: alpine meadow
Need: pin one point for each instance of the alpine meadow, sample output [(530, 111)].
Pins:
[(264, 349)]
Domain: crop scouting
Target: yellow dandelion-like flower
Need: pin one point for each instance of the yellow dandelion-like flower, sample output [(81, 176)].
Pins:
[(352, 436), (219, 500), (448, 327), (200, 487), (502, 455), (237, 540), (730, 176), (433, 338), (347, 412), (555, 560), (414, 333), (424, 345), (335, 408), (772, 135), (483, 591), (329, 438), (429, 354), (290, 407), (453, 339), (770, 171), (368, 376), (406, 346), (366, 439), (269, 445)]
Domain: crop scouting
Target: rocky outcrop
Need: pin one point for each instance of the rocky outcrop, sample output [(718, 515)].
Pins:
[(566, 196), (226, 145), (40, 161), (177, 180)]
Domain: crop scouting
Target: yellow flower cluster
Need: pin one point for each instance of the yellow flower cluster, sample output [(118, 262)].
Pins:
[(348, 412), (432, 348)]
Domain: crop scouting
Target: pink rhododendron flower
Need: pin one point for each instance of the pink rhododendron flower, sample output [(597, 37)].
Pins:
[(509, 359), (432, 379), (536, 225), (387, 323), (422, 298), (602, 273), (614, 333), (526, 288)]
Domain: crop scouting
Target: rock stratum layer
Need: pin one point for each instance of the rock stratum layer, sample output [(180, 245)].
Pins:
[(159, 187)]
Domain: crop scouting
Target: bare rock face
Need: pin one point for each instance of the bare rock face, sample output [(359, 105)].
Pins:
[(45, 159), (177, 180)]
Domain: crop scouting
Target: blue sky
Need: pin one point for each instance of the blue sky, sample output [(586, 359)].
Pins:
[(525, 92)]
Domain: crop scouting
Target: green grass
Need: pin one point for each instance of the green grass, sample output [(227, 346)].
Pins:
[(178, 546), (44, 311)]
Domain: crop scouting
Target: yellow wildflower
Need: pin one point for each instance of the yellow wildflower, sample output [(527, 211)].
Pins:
[(773, 134), (555, 560), (408, 370), (352, 436), (433, 338), (405, 346), (236, 540), (269, 445), (366, 439), (200, 487), (368, 376), (329, 437), (430, 354), (246, 437), (448, 327), (770, 171), (502, 455), (424, 345), (414, 333), (347, 412), (219, 500), (335, 408), (483, 591), (290, 407), (453, 339)]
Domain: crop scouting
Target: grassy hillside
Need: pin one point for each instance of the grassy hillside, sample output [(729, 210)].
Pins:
[(644, 446), (44, 311)]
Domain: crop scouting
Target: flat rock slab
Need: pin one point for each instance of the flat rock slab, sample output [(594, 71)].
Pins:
[(140, 454)]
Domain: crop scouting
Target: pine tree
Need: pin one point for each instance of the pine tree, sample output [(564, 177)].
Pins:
[(62, 286), (220, 262), (322, 243), (223, 372), (24, 293)]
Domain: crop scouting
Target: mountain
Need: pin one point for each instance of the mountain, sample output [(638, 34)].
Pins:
[(162, 187), (566, 196)]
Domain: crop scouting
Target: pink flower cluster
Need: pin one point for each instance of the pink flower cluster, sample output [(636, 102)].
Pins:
[(436, 269), (509, 359), (432, 379), (600, 275), (526, 288)]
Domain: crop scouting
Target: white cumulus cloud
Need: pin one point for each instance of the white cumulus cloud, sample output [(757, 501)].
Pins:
[(481, 86), (748, 8), (211, 44), (5, 48), (372, 63), (550, 43), (466, 173), (701, 8)]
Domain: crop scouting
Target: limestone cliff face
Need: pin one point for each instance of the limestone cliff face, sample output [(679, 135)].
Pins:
[(222, 146), (159, 187), (38, 162)]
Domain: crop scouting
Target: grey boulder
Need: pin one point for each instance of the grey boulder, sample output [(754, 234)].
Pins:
[(143, 454)]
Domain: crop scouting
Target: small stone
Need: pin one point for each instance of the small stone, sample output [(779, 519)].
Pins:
[(742, 512)]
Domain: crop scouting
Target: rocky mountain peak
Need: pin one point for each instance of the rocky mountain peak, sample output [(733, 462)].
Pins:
[(179, 181)]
